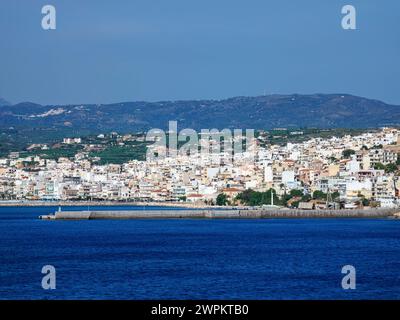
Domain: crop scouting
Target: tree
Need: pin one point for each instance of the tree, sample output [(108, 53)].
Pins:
[(348, 153), (222, 199), (365, 202), (319, 195), (285, 199), (296, 193), (335, 195), (391, 167), (245, 196), (255, 198), (332, 159), (295, 204), (379, 166)]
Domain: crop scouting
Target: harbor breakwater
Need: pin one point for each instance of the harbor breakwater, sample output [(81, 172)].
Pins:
[(221, 214)]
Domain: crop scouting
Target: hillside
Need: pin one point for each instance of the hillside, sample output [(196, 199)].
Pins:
[(263, 112)]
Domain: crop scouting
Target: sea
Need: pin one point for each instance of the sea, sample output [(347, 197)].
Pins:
[(196, 259)]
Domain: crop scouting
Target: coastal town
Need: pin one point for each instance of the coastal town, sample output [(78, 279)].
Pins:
[(320, 173)]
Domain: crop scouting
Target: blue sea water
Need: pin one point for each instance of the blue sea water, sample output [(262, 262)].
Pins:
[(197, 259)]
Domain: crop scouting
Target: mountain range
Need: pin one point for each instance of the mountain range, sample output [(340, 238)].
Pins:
[(4, 102), (261, 112)]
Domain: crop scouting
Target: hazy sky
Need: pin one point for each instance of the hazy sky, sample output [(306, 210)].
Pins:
[(112, 51)]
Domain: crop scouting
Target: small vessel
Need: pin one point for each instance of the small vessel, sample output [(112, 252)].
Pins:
[(47, 217)]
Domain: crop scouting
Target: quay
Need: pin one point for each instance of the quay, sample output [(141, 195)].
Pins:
[(222, 214)]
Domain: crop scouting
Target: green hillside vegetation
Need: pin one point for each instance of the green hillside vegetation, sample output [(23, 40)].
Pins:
[(120, 154)]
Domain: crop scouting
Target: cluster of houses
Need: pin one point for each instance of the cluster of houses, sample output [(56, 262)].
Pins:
[(355, 167)]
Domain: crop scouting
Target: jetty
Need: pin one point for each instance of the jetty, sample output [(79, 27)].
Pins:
[(221, 214)]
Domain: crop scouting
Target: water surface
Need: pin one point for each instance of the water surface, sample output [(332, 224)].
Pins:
[(196, 259)]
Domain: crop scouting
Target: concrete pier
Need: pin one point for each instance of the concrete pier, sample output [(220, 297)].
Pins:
[(221, 214)]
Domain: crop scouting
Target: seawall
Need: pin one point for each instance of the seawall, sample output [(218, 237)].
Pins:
[(221, 214)]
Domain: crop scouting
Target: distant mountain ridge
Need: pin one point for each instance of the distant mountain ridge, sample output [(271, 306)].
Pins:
[(4, 102), (262, 112)]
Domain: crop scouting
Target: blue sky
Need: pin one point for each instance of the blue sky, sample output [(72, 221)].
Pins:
[(112, 51)]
